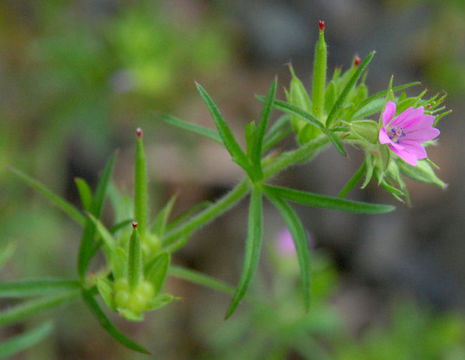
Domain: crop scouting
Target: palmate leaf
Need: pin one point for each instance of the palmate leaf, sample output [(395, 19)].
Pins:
[(224, 131), (345, 92), (34, 287), (57, 200), (24, 341), (107, 325), (87, 249), (327, 202), (300, 241), (252, 248)]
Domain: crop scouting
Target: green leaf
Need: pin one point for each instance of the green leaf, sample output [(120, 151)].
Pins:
[(200, 279), (354, 180), (369, 109), (296, 111), (277, 132), (345, 92), (105, 234), (263, 125), (330, 96), (250, 129), (24, 341), (224, 131), (105, 289), (161, 221), (336, 142), (57, 200), (383, 93), (140, 187), (134, 269), (85, 193), (300, 241), (187, 214), (157, 269), (107, 325), (32, 307), (34, 287), (87, 249), (369, 171), (197, 129), (252, 249), (327, 202)]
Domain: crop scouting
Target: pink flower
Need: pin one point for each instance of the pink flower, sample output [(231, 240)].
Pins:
[(405, 133)]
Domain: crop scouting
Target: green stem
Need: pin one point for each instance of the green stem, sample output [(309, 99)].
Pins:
[(213, 211), (286, 159)]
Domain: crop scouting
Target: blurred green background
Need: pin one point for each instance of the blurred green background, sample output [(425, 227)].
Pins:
[(77, 78)]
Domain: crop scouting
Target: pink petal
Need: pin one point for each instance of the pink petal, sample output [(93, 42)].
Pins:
[(422, 134), (414, 118), (383, 137), (406, 156), (389, 112), (415, 148), (426, 122)]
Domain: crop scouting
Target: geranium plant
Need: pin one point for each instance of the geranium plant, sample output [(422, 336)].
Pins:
[(389, 127)]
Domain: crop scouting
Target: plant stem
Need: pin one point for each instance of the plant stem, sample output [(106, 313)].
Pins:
[(281, 162)]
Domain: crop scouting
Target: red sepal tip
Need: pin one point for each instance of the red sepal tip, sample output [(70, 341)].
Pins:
[(357, 60), (139, 132), (134, 224), (321, 24)]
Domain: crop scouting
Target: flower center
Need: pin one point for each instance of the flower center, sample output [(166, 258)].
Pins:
[(396, 134)]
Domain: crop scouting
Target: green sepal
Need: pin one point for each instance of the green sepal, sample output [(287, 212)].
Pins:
[(330, 96), (422, 172), (160, 301), (131, 315), (319, 76), (107, 325), (156, 271), (369, 170), (134, 269), (119, 261), (105, 289), (250, 129), (366, 130), (331, 120), (159, 225)]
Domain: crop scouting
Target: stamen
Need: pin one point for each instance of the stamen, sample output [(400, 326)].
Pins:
[(397, 133)]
